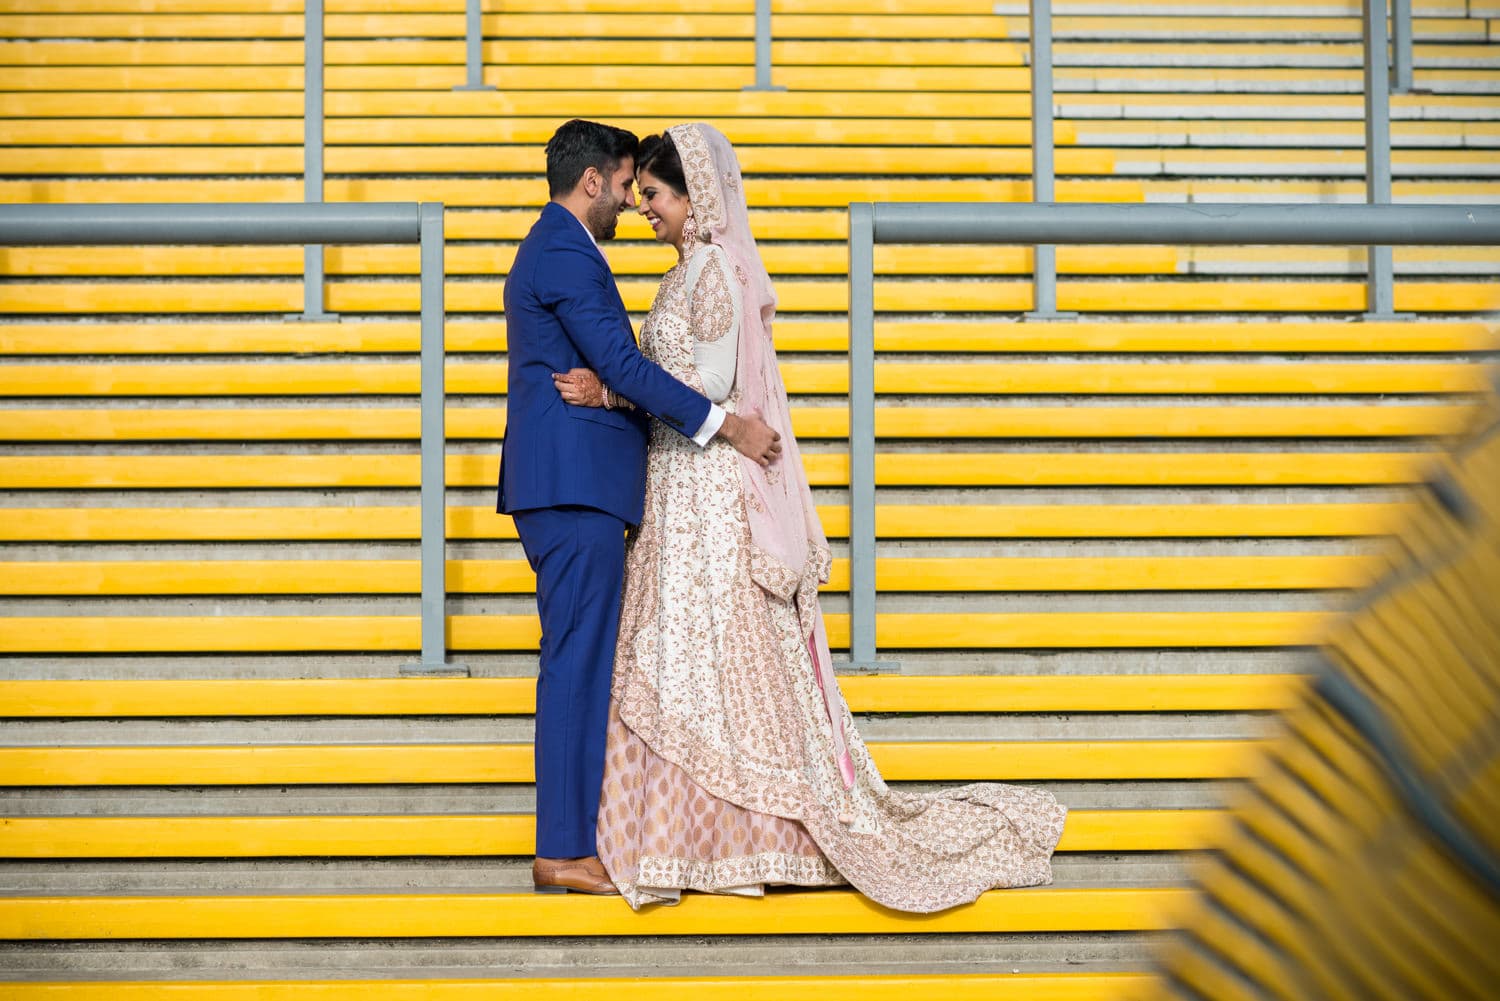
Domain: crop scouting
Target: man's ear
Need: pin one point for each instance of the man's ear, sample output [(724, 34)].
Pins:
[(593, 181)]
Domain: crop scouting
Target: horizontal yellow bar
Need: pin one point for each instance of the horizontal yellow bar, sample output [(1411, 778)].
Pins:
[(1017, 630), (780, 193), (81, 524), (308, 576), (711, 105), (514, 52), (1180, 336), (407, 915), (459, 835), (267, 764), (832, 422), (952, 987), (449, 128), (515, 696), (793, 192), (823, 378), (1158, 296), (658, 77), (823, 469)]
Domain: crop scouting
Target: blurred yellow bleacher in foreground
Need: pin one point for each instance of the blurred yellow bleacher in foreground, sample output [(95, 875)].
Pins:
[(1363, 859), (1107, 545)]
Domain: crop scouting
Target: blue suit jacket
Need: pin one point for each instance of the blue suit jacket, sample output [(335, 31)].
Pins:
[(563, 311)]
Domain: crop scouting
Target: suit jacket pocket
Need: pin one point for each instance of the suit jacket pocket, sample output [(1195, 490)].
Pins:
[(598, 415)]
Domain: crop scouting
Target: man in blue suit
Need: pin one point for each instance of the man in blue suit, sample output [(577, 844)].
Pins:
[(573, 478)]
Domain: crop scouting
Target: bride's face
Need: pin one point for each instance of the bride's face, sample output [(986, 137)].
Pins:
[(663, 208)]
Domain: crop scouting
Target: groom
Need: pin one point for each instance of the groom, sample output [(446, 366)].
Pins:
[(573, 478)]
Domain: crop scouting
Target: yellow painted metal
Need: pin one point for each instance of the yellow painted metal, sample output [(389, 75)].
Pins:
[(1186, 336), (513, 51), (664, 77), (512, 696), (1156, 295), (1001, 630), (793, 192), (448, 128), (951, 987), (354, 764), (459, 835), (376, 915), (357, 378), (81, 524), (379, 576), (629, 258), (823, 469), (828, 422)]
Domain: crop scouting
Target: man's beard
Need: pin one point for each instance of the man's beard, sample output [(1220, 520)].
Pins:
[(603, 216)]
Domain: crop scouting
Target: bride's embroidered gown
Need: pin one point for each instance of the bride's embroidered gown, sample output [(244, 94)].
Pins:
[(721, 769)]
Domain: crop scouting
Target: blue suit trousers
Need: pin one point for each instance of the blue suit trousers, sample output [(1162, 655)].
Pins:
[(578, 554)]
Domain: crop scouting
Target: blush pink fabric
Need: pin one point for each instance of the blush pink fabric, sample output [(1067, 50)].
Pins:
[(784, 525)]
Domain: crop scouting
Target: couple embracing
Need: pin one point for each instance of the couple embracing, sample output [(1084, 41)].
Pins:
[(690, 734)]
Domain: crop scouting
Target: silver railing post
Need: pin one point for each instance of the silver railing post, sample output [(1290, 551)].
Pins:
[(434, 452), (312, 156), (862, 642), (474, 46), (239, 224), (1401, 65), (763, 47), (1043, 173), (1380, 295)]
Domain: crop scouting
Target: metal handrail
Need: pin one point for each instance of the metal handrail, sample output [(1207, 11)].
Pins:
[(237, 224), (1107, 223)]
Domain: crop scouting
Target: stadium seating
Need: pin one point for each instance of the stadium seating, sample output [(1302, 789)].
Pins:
[(1106, 544)]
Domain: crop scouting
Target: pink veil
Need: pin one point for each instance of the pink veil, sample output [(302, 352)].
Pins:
[(789, 552)]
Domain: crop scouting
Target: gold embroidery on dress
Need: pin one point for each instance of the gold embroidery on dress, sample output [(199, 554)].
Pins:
[(713, 303)]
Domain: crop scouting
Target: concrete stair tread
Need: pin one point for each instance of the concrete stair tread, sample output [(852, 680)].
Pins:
[(502, 873)]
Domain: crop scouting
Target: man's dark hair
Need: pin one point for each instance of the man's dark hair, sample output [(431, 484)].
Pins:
[(659, 155), (578, 145)]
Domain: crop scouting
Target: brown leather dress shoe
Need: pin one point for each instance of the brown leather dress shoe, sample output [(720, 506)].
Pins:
[(581, 875)]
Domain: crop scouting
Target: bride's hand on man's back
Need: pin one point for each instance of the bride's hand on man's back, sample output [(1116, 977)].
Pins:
[(580, 387)]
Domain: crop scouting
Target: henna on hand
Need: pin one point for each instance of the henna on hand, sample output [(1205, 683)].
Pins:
[(580, 387)]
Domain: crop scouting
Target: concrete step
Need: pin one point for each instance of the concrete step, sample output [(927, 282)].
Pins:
[(459, 875), (488, 799), (388, 730), (626, 956), (289, 665)]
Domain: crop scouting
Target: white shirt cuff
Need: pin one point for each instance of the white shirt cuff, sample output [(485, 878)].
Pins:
[(710, 426)]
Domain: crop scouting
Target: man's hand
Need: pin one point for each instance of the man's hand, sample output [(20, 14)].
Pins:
[(752, 438)]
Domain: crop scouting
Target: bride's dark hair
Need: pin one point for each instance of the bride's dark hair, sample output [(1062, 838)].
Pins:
[(658, 154)]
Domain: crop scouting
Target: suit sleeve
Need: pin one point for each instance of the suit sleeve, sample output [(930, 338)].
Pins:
[(582, 295)]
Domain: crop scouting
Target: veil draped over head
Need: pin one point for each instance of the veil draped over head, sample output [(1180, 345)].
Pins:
[(789, 552)]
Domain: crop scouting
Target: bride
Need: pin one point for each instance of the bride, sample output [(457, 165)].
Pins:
[(732, 760)]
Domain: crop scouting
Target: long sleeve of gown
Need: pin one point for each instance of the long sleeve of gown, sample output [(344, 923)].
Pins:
[(715, 304)]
